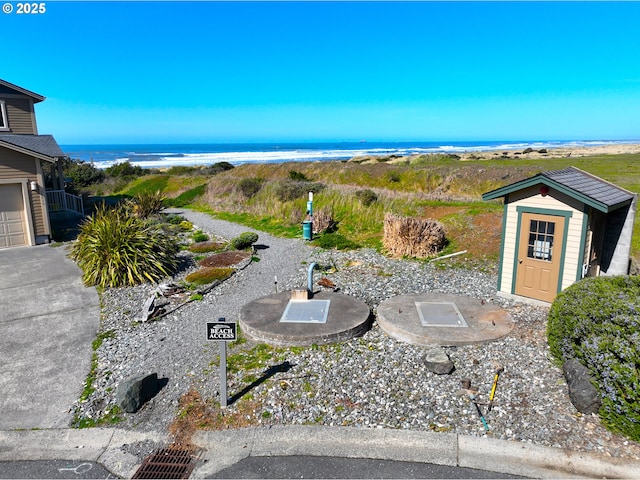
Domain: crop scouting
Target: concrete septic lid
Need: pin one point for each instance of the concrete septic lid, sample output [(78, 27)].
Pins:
[(400, 317), (347, 317)]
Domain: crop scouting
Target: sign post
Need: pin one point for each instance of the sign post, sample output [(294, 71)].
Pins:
[(222, 332)]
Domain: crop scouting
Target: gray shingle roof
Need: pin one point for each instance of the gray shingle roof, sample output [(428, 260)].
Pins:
[(589, 185), (572, 181), (42, 145)]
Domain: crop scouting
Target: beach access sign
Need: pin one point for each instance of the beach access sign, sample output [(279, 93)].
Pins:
[(221, 331)]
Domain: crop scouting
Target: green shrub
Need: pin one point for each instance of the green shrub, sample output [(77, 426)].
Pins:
[(82, 174), (244, 240), (288, 190), (335, 241), (124, 169), (250, 186), (206, 247), (200, 236), (298, 176), (597, 322), (207, 275), (218, 167), (117, 249), (366, 197), (185, 226)]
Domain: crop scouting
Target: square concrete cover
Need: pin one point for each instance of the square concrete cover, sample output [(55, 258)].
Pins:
[(306, 311), (440, 314)]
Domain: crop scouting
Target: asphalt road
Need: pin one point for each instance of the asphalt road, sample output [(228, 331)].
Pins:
[(348, 468)]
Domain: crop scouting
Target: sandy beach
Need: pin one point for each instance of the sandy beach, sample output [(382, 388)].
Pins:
[(614, 149)]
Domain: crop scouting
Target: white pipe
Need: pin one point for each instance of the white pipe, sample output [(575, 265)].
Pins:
[(448, 256)]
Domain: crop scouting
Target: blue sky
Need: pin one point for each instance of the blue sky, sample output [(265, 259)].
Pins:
[(189, 72)]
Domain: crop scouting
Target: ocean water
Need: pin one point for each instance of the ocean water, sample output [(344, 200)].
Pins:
[(159, 156)]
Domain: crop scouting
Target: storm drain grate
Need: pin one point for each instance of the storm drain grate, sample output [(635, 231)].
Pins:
[(168, 463)]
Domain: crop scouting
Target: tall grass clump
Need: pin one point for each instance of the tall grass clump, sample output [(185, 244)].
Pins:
[(116, 249), (412, 237), (597, 321)]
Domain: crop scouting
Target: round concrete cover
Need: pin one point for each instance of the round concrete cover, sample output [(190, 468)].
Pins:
[(399, 318), (347, 318)]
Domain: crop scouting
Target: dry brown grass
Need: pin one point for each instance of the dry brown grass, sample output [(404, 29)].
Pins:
[(196, 414), (412, 237), (323, 220)]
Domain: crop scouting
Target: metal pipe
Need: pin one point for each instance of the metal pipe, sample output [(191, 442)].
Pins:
[(310, 279)]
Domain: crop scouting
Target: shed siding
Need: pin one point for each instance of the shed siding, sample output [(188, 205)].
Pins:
[(21, 115), (531, 198), (15, 165)]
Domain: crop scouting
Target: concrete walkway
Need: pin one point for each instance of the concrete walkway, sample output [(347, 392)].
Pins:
[(48, 321)]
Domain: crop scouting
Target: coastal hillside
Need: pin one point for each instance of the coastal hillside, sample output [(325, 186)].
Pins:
[(355, 195)]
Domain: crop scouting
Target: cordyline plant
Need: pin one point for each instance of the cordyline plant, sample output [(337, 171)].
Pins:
[(597, 321), (116, 249)]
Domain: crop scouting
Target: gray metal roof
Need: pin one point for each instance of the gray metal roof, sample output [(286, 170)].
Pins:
[(589, 185), (572, 181), (42, 146)]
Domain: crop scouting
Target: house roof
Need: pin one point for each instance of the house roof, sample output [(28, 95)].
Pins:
[(572, 181), (44, 147), (36, 97)]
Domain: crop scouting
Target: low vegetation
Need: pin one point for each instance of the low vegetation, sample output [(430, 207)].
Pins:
[(358, 194), (597, 321)]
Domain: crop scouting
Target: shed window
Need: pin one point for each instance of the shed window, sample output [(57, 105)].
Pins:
[(4, 124), (541, 240)]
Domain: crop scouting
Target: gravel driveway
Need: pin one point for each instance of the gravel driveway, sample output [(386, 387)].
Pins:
[(369, 382)]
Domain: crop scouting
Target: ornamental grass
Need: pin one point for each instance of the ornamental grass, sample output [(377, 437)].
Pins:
[(412, 237), (116, 249), (207, 275)]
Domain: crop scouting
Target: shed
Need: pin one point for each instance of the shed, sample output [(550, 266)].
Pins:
[(559, 227)]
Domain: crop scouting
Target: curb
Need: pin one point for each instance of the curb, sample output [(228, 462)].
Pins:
[(224, 448)]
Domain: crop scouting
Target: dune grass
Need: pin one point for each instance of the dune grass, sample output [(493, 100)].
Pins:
[(437, 187)]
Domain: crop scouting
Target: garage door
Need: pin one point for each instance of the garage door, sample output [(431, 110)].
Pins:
[(13, 231)]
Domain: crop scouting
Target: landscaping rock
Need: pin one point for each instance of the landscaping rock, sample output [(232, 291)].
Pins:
[(437, 361), (582, 393), (132, 393)]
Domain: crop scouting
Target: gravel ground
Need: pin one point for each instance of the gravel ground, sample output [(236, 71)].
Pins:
[(369, 382)]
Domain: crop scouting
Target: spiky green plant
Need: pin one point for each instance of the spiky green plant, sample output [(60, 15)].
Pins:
[(145, 204), (116, 249)]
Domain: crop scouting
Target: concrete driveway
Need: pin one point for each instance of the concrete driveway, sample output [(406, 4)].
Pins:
[(48, 321)]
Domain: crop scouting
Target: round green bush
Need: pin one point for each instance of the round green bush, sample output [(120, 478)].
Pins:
[(366, 197), (244, 240), (597, 321), (250, 186), (116, 249)]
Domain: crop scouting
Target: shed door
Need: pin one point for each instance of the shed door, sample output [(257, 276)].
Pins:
[(13, 230), (539, 256)]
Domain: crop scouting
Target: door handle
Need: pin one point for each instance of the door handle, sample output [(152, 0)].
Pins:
[(520, 261)]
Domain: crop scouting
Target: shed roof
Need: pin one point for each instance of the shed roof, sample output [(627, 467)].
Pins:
[(44, 147), (576, 183), (10, 86)]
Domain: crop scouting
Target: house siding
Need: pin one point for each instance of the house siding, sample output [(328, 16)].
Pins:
[(14, 165), (532, 199), (20, 115)]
